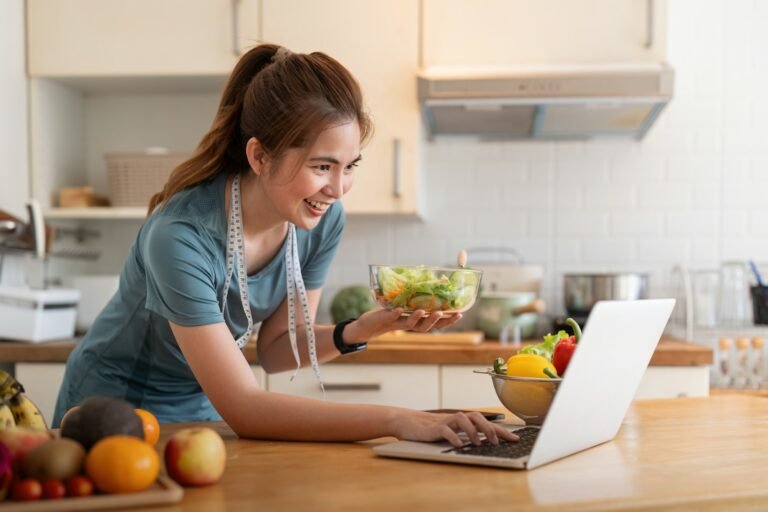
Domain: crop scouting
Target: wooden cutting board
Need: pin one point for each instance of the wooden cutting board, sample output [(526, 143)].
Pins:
[(451, 338), (163, 492)]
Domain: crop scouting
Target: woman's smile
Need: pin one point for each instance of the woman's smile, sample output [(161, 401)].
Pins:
[(316, 208)]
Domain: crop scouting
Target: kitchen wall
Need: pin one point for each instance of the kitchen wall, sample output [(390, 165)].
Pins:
[(693, 191)]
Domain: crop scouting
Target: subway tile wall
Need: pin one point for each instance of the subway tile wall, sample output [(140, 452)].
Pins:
[(693, 191)]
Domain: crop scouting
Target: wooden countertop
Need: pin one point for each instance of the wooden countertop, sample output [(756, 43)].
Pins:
[(669, 352), (703, 454)]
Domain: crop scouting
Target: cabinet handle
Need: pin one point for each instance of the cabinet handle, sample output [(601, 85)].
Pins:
[(396, 185), (353, 386), (235, 28), (649, 27)]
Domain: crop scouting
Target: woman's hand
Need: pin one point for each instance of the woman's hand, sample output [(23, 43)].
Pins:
[(427, 426), (377, 322)]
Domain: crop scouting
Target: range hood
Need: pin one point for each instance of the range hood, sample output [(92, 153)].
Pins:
[(547, 103)]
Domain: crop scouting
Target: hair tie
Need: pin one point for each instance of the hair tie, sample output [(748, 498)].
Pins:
[(281, 54)]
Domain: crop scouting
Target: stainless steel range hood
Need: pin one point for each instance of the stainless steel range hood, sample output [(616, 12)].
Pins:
[(549, 103)]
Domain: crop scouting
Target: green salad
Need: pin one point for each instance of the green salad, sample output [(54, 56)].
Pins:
[(422, 288)]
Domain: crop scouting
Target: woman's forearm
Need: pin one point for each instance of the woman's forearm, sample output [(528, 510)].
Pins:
[(270, 415), (276, 355)]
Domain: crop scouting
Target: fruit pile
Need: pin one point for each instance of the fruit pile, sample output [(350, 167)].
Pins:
[(105, 446)]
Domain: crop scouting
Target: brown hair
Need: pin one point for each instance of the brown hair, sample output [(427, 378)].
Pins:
[(283, 104)]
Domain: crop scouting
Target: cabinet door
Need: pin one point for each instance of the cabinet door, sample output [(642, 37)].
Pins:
[(41, 383), (378, 43), (462, 389), (406, 385), (138, 37), (522, 32)]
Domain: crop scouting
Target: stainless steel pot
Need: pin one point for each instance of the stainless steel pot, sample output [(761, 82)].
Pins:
[(583, 290)]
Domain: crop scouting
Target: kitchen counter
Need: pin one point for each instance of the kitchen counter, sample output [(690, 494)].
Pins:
[(704, 454), (669, 352)]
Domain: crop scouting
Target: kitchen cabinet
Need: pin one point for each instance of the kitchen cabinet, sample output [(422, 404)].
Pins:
[(42, 381), (524, 33), (378, 43), (137, 38), (402, 385), (91, 93)]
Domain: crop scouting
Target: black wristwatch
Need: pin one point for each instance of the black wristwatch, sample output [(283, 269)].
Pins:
[(338, 339)]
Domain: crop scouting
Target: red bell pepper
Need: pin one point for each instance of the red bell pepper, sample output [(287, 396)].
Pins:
[(565, 347)]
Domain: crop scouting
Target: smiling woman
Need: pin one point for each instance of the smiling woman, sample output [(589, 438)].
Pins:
[(244, 232)]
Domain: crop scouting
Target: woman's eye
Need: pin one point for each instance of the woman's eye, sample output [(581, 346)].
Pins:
[(323, 167), (351, 167)]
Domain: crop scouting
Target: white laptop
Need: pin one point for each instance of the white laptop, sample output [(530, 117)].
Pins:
[(591, 401)]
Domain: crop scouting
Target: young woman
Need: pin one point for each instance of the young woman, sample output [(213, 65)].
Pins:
[(243, 232)]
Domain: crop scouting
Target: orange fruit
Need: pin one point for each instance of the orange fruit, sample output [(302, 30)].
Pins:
[(151, 426), (120, 464)]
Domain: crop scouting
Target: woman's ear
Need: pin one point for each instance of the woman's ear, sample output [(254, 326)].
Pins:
[(257, 157)]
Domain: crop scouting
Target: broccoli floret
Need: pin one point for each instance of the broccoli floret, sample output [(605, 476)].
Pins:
[(351, 302)]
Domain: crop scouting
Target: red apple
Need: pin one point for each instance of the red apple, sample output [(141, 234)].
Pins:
[(195, 456), (21, 440)]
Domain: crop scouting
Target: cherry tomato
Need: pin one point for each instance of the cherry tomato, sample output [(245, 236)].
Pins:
[(28, 489), (54, 489), (79, 485)]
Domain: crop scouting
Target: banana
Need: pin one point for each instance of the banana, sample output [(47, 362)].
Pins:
[(9, 386), (6, 415), (27, 414)]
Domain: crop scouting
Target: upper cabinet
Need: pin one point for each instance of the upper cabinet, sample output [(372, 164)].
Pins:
[(137, 37), (111, 75), (544, 32), (378, 43)]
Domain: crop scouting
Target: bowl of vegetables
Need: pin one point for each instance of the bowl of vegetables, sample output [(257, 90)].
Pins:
[(527, 382), (432, 289)]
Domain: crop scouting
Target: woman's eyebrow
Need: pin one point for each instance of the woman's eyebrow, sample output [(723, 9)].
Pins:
[(332, 160)]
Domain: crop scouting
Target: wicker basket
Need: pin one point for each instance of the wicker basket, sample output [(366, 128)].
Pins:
[(135, 177)]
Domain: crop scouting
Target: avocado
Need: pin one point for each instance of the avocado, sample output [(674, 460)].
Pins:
[(99, 417)]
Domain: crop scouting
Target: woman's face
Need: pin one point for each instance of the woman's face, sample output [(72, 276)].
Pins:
[(324, 175)]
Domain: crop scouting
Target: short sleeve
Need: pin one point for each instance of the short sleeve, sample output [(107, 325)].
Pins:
[(181, 284), (325, 242)]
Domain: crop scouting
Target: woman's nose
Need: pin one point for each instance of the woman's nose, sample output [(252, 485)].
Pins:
[(334, 188)]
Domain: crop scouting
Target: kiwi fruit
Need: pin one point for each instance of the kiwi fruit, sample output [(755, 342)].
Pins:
[(57, 459), (99, 417)]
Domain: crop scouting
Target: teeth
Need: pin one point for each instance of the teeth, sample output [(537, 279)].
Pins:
[(315, 204)]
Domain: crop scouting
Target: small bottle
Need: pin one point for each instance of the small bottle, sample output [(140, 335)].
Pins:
[(741, 368), (724, 378), (758, 363)]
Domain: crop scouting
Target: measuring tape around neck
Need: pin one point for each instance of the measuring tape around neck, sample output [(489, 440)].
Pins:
[(294, 283)]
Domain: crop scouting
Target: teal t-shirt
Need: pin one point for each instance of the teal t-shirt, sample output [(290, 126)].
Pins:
[(175, 270)]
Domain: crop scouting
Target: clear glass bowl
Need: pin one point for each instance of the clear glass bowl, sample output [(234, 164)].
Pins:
[(448, 290), (527, 398)]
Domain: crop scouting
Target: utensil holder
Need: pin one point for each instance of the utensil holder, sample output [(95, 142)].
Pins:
[(760, 304)]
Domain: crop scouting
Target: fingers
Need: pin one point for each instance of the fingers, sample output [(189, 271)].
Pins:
[(484, 426), (506, 434), (447, 321), (452, 437), (463, 422)]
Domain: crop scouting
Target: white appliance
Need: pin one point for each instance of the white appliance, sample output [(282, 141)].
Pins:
[(37, 315)]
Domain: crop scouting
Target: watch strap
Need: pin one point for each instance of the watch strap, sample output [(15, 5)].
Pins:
[(338, 339)]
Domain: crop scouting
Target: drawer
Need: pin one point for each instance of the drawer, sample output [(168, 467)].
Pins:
[(413, 386)]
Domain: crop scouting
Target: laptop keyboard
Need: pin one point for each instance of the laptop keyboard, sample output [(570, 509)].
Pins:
[(505, 449)]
